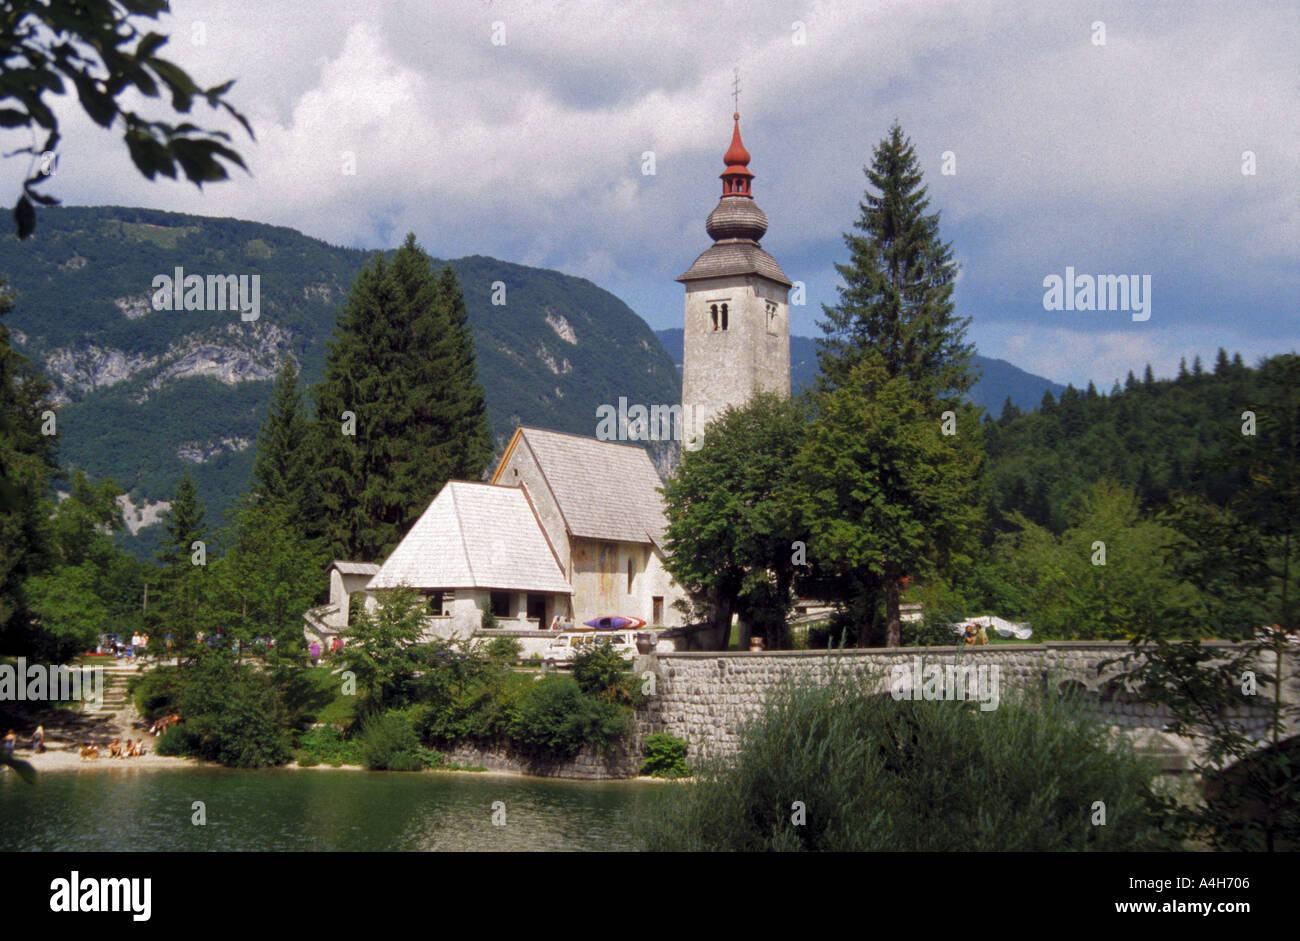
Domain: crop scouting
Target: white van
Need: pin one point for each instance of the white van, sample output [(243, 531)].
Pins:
[(563, 647)]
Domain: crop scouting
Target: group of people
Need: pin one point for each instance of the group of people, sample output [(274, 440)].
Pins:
[(116, 749), (137, 646), (314, 649), (38, 741), (976, 634)]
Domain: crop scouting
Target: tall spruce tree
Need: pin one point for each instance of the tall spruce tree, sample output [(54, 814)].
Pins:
[(402, 363), (894, 337), (280, 470), (466, 406), (897, 291), (181, 605)]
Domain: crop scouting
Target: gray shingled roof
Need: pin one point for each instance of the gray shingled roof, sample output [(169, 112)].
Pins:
[(355, 568), (474, 535), (605, 490), (735, 256)]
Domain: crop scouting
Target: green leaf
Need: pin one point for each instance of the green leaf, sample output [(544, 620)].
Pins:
[(25, 217)]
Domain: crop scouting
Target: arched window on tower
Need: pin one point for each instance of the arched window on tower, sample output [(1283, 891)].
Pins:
[(771, 317), (713, 313), (724, 316)]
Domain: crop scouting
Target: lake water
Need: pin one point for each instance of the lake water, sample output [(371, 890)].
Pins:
[(151, 810)]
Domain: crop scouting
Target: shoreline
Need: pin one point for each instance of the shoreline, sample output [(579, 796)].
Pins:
[(60, 759)]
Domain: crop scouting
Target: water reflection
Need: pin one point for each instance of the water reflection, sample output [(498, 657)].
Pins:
[(151, 810)]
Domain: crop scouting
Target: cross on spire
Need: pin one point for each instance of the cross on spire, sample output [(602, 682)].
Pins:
[(735, 88)]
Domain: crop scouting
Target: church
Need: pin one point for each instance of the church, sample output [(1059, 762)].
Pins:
[(569, 528)]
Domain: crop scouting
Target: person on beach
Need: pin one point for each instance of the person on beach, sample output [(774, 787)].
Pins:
[(115, 749), (11, 742), (38, 740)]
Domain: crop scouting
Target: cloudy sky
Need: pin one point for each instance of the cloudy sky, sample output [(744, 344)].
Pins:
[(1109, 137)]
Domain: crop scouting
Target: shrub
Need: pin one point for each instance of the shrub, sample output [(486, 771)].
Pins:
[(665, 756), (230, 714), (389, 742), (476, 707), (488, 620), (157, 692), (874, 773), (326, 745), (554, 717), (600, 670), (504, 650), (178, 741)]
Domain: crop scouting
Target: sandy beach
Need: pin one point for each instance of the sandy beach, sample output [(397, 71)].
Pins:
[(68, 758)]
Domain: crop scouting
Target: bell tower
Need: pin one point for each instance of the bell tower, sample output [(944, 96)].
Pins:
[(737, 336)]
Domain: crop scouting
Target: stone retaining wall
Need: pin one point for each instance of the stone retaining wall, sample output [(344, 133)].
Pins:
[(588, 764), (703, 697)]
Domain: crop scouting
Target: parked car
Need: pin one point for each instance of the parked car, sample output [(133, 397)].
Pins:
[(563, 648)]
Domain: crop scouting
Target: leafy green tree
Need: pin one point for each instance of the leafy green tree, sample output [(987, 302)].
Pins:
[(98, 47), (268, 576), (1224, 558), (1108, 576), (69, 610), (1270, 501), (380, 645), (1250, 784), (732, 521), (91, 586), (230, 713), (402, 364), (897, 291), (28, 463), (884, 493)]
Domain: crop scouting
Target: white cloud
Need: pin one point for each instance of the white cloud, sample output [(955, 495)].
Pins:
[(1117, 158)]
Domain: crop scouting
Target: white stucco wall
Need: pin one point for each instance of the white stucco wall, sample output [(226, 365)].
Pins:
[(725, 367)]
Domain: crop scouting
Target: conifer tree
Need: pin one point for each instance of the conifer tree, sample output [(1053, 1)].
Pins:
[(280, 469), (466, 411), (1010, 412), (180, 606), (402, 363), (897, 292), (893, 335)]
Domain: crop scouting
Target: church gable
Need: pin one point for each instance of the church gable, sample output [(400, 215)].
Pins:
[(474, 535), (599, 489)]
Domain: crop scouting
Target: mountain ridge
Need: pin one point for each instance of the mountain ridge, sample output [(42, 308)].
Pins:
[(999, 378)]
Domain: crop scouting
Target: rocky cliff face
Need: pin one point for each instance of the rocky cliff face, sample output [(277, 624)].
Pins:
[(242, 352), (146, 395)]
